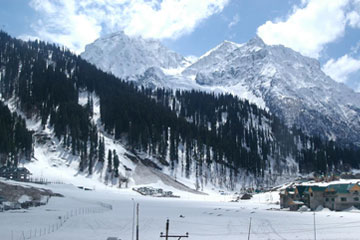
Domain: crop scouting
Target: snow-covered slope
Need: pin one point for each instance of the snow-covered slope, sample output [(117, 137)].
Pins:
[(126, 56), (54, 162), (275, 77), (212, 58), (291, 85)]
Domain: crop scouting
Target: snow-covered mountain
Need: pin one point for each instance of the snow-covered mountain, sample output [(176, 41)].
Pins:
[(290, 85), (91, 125), (126, 56)]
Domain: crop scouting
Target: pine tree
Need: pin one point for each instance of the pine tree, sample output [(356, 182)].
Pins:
[(109, 166), (116, 163), (101, 150)]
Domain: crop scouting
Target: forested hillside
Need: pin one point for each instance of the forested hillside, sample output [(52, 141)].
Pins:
[(15, 139), (215, 137)]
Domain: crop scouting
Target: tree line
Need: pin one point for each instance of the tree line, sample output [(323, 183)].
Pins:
[(214, 136)]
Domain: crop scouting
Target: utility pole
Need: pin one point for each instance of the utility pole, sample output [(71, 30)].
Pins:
[(167, 230), (249, 230), (137, 221), (167, 236), (133, 221), (314, 227)]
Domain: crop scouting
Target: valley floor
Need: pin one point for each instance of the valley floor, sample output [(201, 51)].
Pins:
[(86, 215)]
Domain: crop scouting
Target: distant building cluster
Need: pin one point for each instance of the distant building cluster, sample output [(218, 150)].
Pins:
[(336, 197), (16, 174), (154, 192), (22, 203)]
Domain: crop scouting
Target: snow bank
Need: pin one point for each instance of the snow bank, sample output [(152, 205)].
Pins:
[(352, 209), (24, 198), (304, 209)]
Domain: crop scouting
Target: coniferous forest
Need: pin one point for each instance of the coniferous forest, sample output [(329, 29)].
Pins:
[(214, 133), (15, 139)]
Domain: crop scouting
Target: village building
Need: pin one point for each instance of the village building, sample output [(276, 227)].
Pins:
[(11, 205), (313, 196), (295, 205), (342, 196), (246, 196), (287, 196), (17, 174), (336, 197)]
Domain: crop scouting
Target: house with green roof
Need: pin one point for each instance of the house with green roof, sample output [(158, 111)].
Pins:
[(342, 196), (313, 196), (336, 197)]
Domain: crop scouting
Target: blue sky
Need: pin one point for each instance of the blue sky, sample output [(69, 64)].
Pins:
[(246, 17), (328, 30)]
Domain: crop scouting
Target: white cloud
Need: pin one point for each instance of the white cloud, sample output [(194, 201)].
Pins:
[(75, 23), (354, 19), (342, 68), (354, 16), (234, 21), (311, 25), (355, 49)]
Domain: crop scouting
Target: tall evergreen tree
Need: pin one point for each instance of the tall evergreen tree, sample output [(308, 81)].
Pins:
[(116, 163), (110, 159)]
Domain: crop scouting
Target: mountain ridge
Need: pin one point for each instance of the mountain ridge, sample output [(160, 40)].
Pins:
[(89, 123), (274, 77), (153, 55)]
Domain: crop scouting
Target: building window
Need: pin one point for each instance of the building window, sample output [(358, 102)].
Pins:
[(343, 199), (356, 199), (326, 199), (333, 199)]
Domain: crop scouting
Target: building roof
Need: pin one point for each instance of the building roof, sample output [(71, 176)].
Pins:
[(340, 188), (314, 188)]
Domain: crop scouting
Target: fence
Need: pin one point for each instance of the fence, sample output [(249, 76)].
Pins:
[(38, 232), (43, 181)]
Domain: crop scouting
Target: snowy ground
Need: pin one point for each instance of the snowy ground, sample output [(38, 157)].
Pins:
[(210, 218), (85, 214)]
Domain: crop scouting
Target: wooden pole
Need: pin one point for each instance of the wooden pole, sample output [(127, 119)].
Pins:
[(249, 230), (137, 221), (133, 221), (314, 227), (167, 230), (167, 236)]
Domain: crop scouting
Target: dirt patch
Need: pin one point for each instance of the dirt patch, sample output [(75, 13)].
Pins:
[(13, 192), (148, 175)]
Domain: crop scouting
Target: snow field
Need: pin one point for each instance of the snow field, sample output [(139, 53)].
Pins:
[(210, 220)]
